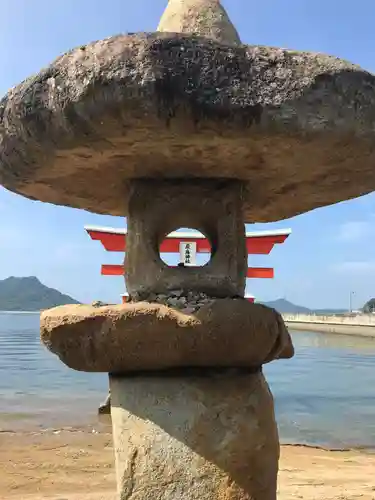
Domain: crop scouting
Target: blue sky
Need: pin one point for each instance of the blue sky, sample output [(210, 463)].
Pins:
[(331, 251)]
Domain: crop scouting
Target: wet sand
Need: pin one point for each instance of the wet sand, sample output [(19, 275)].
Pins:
[(79, 465)]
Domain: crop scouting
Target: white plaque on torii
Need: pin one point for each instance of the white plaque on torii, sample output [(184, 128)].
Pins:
[(188, 253)]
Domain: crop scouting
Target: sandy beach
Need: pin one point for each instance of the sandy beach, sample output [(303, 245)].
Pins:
[(79, 465)]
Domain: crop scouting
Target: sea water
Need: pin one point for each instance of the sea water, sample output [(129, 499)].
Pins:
[(324, 396)]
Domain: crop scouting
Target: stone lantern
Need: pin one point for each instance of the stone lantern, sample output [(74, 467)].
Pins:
[(187, 127)]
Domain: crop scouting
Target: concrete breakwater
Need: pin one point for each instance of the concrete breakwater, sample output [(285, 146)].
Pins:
[(358, 324)]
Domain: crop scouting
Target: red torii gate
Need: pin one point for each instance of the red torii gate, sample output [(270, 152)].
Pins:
[(257, 243)]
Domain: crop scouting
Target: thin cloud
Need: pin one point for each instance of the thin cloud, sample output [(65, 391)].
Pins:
[(70, 252), (355, 230), (355, 267), (12, 237)]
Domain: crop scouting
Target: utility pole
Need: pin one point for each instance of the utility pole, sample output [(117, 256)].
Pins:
[(350, 301)]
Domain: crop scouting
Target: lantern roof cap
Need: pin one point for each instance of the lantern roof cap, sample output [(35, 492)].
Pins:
[(297, 129)]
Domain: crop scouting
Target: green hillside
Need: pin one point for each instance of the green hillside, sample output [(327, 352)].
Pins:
[(29, 294)]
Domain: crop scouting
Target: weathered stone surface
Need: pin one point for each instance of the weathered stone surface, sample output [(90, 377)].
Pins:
[(197, 438), (159, 207), (191, 302), (204, 17), (144, 336), (296, 127), (105, 407)]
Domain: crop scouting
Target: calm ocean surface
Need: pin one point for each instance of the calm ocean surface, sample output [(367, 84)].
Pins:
[(325, 395)]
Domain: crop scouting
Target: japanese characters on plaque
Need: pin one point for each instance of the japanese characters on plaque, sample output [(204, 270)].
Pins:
[(188, 253)]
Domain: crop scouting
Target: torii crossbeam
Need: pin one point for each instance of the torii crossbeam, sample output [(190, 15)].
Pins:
[(257, 243)]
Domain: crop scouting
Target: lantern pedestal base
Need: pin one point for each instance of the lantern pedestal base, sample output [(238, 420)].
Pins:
[(194, 437)]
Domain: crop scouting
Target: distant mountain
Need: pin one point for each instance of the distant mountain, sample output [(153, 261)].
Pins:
[(284, 306), (29, 294)]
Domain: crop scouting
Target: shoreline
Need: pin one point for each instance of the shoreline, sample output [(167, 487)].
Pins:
[(102, 425), (20, 312), (61, 463), (364, 331), (370, 450), (360, 325)]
